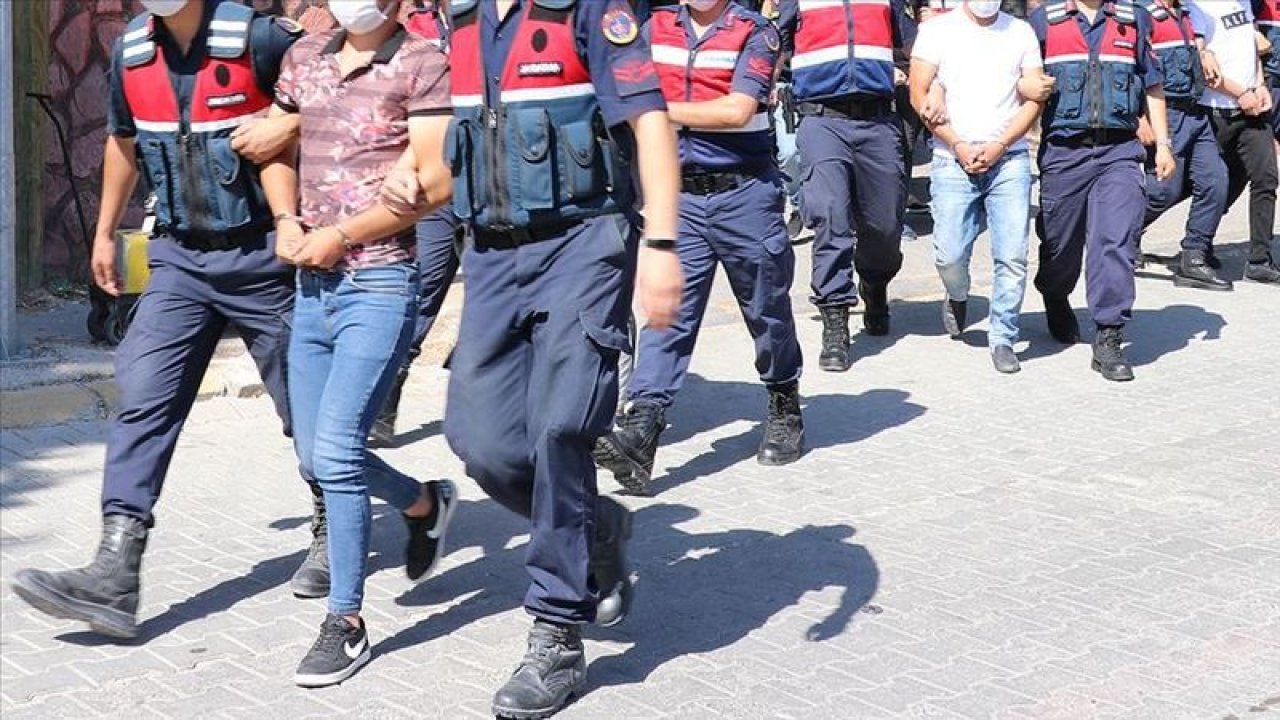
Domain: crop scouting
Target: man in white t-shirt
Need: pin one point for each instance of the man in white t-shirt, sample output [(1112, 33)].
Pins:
[(1241, 111), (981, 172)]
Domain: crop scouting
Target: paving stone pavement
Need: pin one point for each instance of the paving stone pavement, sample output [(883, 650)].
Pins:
[(956, 544)]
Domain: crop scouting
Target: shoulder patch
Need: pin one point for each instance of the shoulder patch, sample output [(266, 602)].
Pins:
[(620, 27), (289, 25), (771, 40)]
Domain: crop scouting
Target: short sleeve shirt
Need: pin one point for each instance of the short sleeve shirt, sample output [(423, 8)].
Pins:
[(354, 128), (1227, 29)]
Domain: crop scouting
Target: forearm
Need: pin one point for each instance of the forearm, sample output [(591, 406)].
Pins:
[(280, 183), (119, 176), (375, 224), (659, 167), (1021, 123), (723, 113), (1157, 113)]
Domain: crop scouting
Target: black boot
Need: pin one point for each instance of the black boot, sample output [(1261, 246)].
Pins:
[(1266, 272), (553, 669), (609, 562), (835, 338), (311, 579), (1194, 271), (103, 594), (628, 451), (1108, 354), (875, 312), (1063, 325), (383, 433), (783, 441), (953, 317)]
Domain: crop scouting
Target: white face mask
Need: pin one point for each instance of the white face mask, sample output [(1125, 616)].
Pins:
[(164, 8), (984, 8), (702, 5), (357, 16)]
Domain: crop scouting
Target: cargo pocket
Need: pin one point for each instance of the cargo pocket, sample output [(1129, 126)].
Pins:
[(233, 190), (1071, 96), (159, 177), (581, 167), (458, 155), (531, 129), (1125, 99), (1180, 83)]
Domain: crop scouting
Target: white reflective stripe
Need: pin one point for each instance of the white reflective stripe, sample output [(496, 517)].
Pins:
[(1118, 59), (139, 49), (552, 93), (1269, 23), (155, 127), (807, 5), (229, 26), (670, 55), (1073, 57), (226, 42), (840, 52), (467, 100), (134, 35), (435, 42), (216, 125), (716, 60), (759, 122), (1168, 44)]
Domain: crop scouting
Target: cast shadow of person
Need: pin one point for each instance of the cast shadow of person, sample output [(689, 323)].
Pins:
[(1151, 334), (701, 592), (830, 421)]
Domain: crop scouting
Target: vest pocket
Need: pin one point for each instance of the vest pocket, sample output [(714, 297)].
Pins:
[(1125, 97), (458, 156), (582, 171), (232, 189), (159, 170), (535, 183), (1179, 71), (1070, 93)]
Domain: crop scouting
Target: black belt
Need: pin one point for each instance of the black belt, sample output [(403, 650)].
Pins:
[(710, 183), (215, 241), (1096, 138), (1187, 105), (849, 108), (510, 238)]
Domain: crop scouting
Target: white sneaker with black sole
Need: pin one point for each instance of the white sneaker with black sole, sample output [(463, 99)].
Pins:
[(337, 654)]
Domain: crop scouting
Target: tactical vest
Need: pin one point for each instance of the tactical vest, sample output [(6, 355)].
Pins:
[(427, 22), (1267, 13), (1173, 40), (705, 72), (843, 47), (202, 186), (1096, 89), (538, 153)]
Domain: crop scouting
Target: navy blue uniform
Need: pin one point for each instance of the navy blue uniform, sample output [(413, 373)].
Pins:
[(198, 286)]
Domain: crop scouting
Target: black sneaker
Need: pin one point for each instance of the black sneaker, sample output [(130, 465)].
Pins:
[(553, 669), (1263, 272), (337, 654), (426, 534)]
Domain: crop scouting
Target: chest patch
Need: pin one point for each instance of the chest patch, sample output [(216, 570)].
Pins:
[(540, 69), (1124, 44), (1235, 20), (221, 101)]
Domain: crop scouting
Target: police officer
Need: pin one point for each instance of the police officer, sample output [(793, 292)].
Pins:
[(851, 146), (1091, 177), (551, 98), (437, 240), (716, 61), (183, 77), (1199, 162)]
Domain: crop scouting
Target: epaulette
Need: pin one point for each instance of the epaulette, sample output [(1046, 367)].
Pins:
[(139, 45), (1056, 12), (229, 30), (555, 4), (458, 8), (1124, 12), (1157, 11)]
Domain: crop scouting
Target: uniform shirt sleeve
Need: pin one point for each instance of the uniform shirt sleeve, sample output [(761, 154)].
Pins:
[(621, 67), (287, 83), (1201, 23), (788, 24), (754, 74), (119, 117), (429, 86), (904, 28), (1148, 66), (270, 38), (1039, 23)]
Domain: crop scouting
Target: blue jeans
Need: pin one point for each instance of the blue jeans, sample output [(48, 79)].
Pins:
[(351, 331), (999, 199)]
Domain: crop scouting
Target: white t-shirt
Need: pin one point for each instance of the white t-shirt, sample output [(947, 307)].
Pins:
[(1227, 27), (979, 68)]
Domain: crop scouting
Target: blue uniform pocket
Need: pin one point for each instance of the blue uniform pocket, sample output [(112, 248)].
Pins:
[(531, 132), (459, 156), (582, 171), (231, 188), (1069, 98)]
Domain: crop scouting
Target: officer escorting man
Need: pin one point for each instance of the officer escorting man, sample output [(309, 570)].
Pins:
[(716, 61), (1195, 149), (1091, 178), (552, 100), (185, 75), (437, 239), (851, 147)]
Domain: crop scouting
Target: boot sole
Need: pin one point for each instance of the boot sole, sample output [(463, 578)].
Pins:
[(630, 473), (104, 621), (1186, 282), (832, 365), (779, 460), (1126, 377), (510, 713)]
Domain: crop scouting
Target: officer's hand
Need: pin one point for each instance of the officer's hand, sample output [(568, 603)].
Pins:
[(262, 139), (1250, 102), (659, 283), (1212, 71), (1146, 135), (289, 239), (321, 249), (935, 106), (1037, 88), (103, 263), (1165, 163), (401, 192)]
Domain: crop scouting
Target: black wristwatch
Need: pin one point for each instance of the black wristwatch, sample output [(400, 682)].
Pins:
[(660, 243)]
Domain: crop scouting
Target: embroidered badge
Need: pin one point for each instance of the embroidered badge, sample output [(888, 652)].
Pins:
[(540, 69), (771, 40), (620, 26), (220, 101)]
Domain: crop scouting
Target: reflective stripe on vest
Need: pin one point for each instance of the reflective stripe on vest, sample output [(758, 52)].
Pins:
[(1094, 89), (1173, 40), (843, 47)]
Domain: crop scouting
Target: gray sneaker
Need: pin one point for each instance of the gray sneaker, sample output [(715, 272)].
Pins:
[(1004, 359)]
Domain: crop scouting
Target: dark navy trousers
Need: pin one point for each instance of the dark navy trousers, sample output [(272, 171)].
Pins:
[(437, 266), (744, 230), (191, 297), (1200, 172), (853, 196), (534, 382), (1092, 204)]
